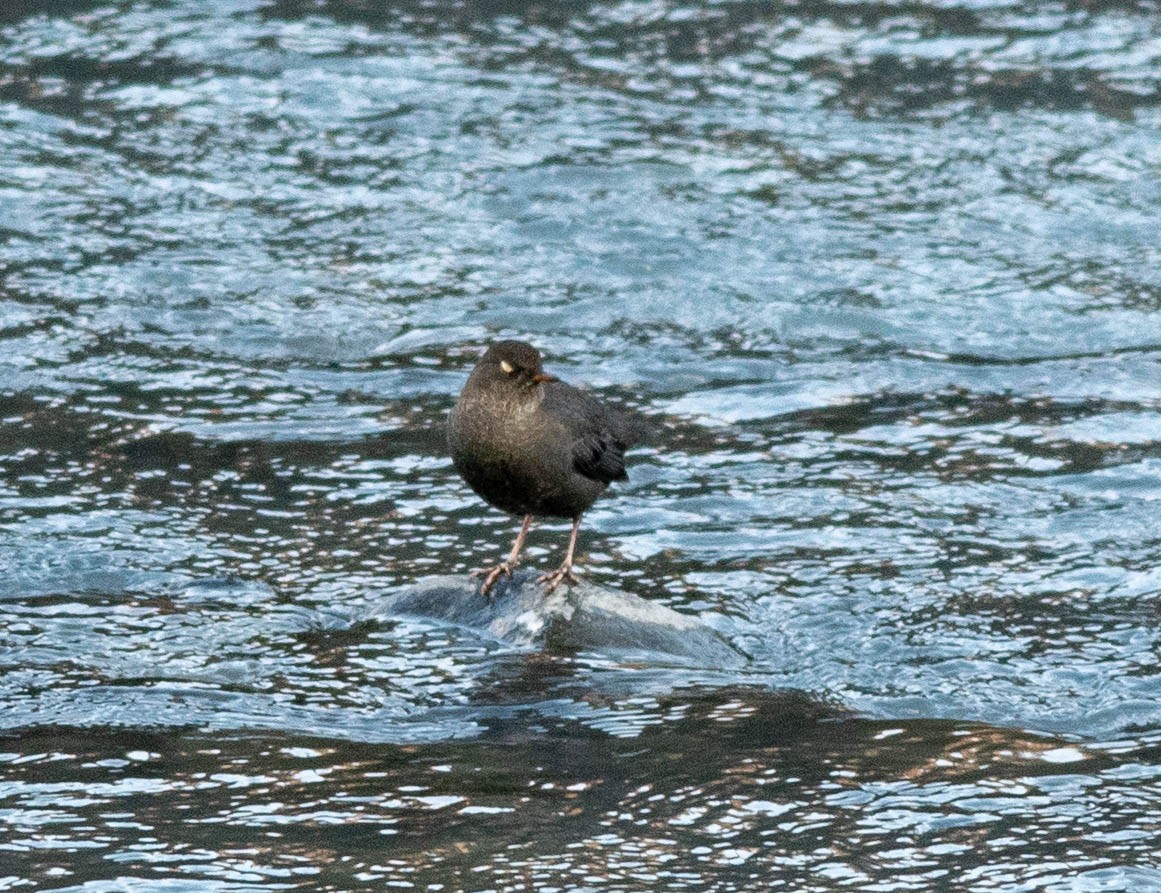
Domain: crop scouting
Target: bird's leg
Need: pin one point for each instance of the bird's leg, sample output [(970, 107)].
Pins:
[(508, 565), (563, 574)]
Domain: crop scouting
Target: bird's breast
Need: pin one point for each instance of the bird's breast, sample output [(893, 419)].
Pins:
[(515, 456)]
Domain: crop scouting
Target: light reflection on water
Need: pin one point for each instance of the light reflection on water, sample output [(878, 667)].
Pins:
[(886, 282), (778, 792)]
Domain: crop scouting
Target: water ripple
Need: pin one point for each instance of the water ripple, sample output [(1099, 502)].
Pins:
[(884, 278)]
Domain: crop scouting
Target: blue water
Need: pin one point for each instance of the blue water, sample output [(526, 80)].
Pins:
[(886, 280)]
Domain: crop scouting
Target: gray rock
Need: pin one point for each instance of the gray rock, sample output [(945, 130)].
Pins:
[(581, 618)]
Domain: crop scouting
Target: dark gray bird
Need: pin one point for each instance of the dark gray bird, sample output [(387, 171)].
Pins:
[(531, 445)]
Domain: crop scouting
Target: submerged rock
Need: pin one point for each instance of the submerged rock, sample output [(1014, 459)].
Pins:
[(584, 617)]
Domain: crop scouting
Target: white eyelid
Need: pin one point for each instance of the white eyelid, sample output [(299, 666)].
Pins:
[(507, 367)]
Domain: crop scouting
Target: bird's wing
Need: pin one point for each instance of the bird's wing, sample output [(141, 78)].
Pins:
[(599, 437), (598, 456)]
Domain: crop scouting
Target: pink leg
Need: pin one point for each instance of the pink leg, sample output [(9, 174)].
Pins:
[(563, 574), (509, 565)]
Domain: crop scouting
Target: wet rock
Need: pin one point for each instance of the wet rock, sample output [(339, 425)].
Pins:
[(581, 618)]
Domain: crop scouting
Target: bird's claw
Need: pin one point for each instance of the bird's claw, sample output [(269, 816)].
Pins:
[(562, 574), (491, 575)]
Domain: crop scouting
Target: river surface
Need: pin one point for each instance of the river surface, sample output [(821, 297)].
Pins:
[(885, 278)]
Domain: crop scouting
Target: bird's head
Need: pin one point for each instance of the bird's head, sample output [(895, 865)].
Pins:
[(516, 362)]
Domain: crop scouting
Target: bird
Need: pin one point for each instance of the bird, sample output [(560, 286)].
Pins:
[(533, 446)]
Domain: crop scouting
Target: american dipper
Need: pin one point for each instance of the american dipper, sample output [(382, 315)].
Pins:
[(531, 445)]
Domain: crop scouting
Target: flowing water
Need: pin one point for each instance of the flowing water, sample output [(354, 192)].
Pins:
[(884, 276)]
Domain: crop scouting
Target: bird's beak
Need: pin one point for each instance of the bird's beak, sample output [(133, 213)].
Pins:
[(540, 377)]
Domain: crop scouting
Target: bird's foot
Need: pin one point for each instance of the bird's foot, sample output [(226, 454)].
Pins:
[(491, 575), (562, 574)]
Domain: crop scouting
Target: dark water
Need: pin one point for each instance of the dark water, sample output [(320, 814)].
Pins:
[(885, 276)]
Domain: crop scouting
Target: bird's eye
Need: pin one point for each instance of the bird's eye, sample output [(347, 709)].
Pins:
[(507, 367)]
